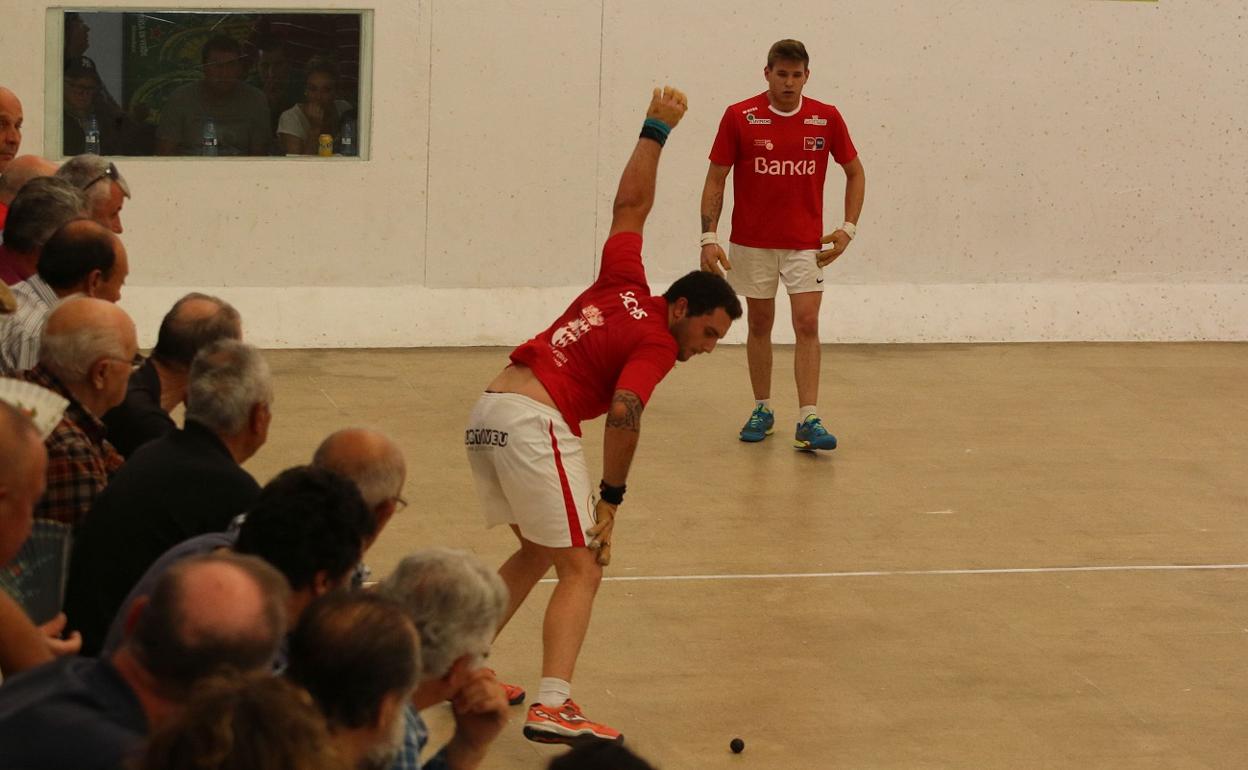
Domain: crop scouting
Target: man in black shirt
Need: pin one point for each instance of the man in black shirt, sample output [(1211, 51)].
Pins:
[(185, 484), (195, 321)]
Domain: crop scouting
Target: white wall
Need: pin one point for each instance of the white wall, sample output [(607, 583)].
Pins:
[(1066, 169)]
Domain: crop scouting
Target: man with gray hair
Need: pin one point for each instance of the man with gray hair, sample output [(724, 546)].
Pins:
[(106, 189), (84, 355), (38, 211), (188, 483), (207, 613), (21, 170), (82, 257), (160, 384), (456, 604)]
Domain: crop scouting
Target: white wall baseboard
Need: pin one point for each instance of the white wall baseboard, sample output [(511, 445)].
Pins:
[(415, 316)]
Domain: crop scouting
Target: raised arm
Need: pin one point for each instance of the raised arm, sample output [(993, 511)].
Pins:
[(635, 195), (713, 257)]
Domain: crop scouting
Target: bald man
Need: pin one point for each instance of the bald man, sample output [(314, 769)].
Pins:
[(205, 613), (10, 127), (376, 465), (160, 385), (84, 355), (82, 257), (21, 170)]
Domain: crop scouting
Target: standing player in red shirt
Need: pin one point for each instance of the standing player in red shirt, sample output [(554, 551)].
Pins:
[(777, 144), (605, 353)]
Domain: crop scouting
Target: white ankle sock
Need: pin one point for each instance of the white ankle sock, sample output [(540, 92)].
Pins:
[(806, 411), (763, 402), (553, 692)]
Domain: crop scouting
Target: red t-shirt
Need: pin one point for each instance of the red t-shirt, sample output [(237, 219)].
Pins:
[(778, 166), (613, 336)]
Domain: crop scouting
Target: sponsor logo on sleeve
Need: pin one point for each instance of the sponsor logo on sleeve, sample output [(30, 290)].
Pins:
[(754, 120), (812, 143), (632, 305)]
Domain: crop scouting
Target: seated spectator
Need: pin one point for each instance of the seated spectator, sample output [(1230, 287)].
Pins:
[(40, 208), (274, 75), (456, 604), (244, 722), (21, 170), (358, 655), (374, 463), (308, 523), (186, 484), (239, 112), (106, 189), (599, 755), (10, 127), (300, 127), (81, 258), (159, 385), (205, 614), (22, 477), (85, 356), (81, 96)]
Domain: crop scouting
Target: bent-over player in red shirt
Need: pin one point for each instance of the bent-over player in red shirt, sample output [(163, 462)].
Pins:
[(605, 353)]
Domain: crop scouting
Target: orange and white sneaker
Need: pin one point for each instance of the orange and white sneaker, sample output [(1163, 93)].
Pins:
[(565, 724)]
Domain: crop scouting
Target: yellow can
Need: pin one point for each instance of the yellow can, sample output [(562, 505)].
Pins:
[(325, 145)]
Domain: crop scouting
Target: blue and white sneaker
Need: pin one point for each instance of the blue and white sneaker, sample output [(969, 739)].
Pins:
[(762, 423), (811, 435)]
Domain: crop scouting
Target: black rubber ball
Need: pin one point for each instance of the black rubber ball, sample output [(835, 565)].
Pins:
[(737, 745)]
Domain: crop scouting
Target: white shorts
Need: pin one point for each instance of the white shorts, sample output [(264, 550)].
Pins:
[(529, 470), (755, 272)]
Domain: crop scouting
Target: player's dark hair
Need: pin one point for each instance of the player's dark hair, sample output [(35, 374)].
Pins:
[(599, 755), (704, 292), (181, 338), (350, 650), (74, 251), (308, 520), (221, 44), (788, 50)]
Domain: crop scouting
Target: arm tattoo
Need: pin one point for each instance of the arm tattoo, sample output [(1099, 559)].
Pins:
[(631, 419), (712, 216)]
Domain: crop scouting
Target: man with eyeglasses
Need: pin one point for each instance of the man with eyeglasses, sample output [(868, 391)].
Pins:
[(186, 484), (84, 355), (80, 258), (106, 189)]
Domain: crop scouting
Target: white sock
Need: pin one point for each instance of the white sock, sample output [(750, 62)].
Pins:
[(806, 411), (553, 692), (763, 402)]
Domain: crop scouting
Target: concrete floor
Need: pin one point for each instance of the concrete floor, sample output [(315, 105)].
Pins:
[(1011, 561)]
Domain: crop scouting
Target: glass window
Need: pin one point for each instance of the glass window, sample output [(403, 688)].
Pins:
[(213, 84)]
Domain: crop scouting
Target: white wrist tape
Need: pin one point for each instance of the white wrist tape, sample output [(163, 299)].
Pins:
[(850, 229), (709, 238)]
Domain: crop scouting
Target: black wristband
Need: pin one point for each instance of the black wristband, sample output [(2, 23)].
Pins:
[(610, 494), (650, 132)]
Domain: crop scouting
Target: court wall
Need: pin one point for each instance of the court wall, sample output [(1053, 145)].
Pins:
[(1065, 170)]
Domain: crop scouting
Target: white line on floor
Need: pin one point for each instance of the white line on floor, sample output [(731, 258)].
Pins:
[(904, 572)]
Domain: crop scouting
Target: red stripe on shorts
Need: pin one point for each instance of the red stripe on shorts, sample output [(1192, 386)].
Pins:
[(569, 505)]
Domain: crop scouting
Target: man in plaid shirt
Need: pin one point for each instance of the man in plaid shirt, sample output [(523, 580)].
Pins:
[(85, 355)]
